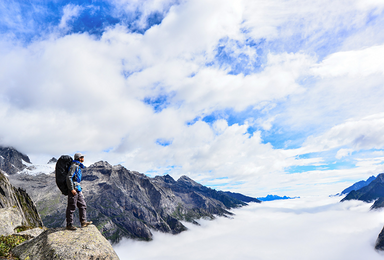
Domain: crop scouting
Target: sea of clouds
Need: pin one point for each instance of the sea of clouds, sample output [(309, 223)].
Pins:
[(304, 228)]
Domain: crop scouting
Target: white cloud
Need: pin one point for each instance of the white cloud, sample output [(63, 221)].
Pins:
[(311, 228), (343, 152), (364, 133), (144, 8), (353, 64), (69, 12)]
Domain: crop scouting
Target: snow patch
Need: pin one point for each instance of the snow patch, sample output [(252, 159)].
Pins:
[(36, 169)]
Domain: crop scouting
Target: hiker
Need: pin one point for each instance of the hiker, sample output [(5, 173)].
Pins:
[(75, 195)]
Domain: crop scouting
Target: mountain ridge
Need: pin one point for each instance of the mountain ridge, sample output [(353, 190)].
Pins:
[(371, 192), (125, 203)]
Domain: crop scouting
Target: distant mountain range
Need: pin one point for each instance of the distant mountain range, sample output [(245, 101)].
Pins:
[(241, 197), (276, 197), (120, 202)]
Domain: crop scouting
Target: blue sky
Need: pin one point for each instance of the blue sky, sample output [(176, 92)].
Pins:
[(252, 96)]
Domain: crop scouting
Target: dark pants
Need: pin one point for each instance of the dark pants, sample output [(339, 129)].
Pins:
[(73, 201)]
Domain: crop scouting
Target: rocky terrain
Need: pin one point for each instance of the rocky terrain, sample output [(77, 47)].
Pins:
[(124, 203)]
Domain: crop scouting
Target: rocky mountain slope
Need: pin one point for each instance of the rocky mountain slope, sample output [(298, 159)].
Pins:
[(358, 185), (124, 203), (19, 200), (372, 192)]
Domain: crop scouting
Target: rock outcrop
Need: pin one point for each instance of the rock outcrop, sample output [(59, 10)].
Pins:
[(59, 243), (11, 160), (13, 199), (10, 219)]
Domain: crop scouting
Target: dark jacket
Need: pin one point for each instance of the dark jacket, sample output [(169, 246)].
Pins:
[(74, 176)]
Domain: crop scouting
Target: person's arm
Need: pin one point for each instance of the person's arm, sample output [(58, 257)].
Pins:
[(70, 184)]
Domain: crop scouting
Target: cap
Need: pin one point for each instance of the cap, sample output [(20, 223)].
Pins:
[(78, 156)]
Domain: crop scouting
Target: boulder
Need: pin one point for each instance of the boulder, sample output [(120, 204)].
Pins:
[(59, 243), (10, 218)]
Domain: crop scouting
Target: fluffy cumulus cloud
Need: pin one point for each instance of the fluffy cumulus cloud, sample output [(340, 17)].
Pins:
[(311, 228), (250, 96)]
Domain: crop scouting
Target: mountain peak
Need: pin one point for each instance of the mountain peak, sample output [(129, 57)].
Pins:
[(166, 178), (101, 164), (188, 181), (52, 160), (11, 160)]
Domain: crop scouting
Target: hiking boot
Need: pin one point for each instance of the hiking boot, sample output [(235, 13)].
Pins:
[(71, 227), (85, 223)]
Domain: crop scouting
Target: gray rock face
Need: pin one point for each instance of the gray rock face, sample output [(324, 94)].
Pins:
[(11, 160), (18, 199), (10, 218), (84, 243), (123, 203)]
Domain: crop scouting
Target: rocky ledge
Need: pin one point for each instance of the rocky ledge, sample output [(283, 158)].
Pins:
[(59, 243)]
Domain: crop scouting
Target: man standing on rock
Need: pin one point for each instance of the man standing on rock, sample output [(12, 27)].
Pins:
[(75, 196)]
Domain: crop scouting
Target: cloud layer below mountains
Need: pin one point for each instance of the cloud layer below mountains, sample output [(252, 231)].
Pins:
[(299, 229), (250, 96)]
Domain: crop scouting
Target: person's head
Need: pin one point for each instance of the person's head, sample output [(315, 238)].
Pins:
[(79, 157)]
